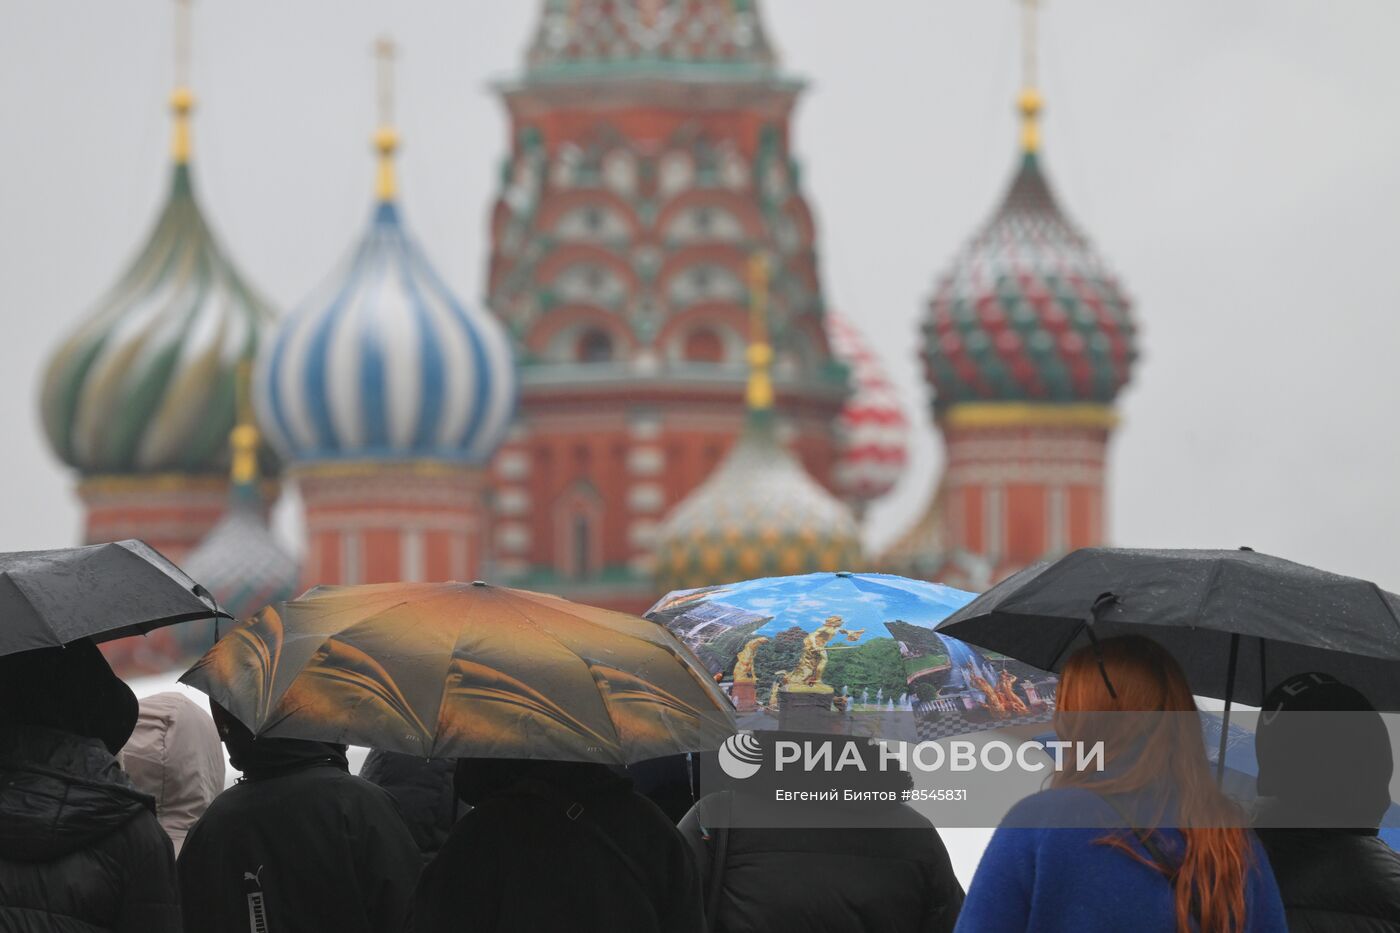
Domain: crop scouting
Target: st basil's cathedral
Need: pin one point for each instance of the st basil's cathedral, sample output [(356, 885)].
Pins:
[(653, 394)]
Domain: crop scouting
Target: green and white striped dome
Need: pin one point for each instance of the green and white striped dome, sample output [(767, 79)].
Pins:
[(146, 383)]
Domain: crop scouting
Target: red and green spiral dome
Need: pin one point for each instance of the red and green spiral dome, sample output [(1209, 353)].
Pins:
[(1028, 312)]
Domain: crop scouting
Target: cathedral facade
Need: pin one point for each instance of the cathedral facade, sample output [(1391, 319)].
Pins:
[(654, 392), (649, 159)]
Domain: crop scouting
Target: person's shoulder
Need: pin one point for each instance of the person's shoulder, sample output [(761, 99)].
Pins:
[(355, 792), (225, 801), (1322, 865), (142, 833), (643, 809)]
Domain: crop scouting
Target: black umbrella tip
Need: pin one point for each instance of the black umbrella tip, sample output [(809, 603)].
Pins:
[(1246, 547), (200, 592)]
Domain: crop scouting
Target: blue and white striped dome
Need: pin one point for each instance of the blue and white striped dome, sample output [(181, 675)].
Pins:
[(385, 363)]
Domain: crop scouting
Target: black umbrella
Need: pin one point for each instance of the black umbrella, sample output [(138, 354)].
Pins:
[(1237, 621), (101, 592)]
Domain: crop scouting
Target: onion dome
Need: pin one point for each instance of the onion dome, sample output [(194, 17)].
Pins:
[(1028, 312), (759, 513), (610, 36), (875, 433), (241, 562), (146, 383), (384, 362)]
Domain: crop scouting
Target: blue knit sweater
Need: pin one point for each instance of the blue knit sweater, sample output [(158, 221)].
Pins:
[(1039, 878)]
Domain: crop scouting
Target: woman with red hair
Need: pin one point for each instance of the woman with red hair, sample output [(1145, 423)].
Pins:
[(1143, 840)]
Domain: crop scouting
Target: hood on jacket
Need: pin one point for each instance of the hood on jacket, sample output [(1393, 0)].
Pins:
[(260, 758), (1321, 768), (70, 688), (59, 793), (175, 756)]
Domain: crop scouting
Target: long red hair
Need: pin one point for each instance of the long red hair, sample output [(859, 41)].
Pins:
[(1163, 752)]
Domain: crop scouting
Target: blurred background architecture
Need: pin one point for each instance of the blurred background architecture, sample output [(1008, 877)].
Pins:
[(655, 394), (1027, 342), (547, 418), (649, 158)]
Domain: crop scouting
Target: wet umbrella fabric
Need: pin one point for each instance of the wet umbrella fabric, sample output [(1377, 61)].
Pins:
[(101, 592), (718, 621), (452, 670), (1237, 621)]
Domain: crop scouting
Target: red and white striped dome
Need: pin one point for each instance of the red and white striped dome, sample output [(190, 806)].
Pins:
[(875, 433)]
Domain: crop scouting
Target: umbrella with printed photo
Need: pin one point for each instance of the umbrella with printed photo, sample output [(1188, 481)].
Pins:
[(450, 670), (848, 652)]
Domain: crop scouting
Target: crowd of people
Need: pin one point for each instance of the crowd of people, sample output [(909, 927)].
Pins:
[(114, 817)]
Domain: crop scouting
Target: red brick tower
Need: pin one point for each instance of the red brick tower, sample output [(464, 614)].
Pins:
[(649, 159), (1027, 342)]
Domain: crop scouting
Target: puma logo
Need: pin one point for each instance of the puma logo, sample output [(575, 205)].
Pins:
[(254, 877)]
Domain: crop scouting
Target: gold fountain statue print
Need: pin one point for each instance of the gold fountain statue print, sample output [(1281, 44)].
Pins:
[(806, 675), (743, 664)]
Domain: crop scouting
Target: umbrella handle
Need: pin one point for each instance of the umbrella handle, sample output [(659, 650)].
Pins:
[(1103, 601), (1098, 656), (1229, 696)]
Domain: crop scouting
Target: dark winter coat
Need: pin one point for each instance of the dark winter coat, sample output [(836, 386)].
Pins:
[(80, 848), (874, 866), (299, 843), (1333, 879), (557, 847), (422, 788), (668, 782), (891, 878), (1327, 771)]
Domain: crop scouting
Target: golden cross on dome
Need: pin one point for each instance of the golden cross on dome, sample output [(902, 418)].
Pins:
[(181, 98), (384, 53), (243, 439), (386, 138), (1029, 101)]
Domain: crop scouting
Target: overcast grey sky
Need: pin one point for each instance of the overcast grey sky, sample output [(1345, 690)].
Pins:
[(1235, 163)]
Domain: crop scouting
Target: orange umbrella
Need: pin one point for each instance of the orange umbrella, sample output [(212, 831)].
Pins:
[(449, 670)]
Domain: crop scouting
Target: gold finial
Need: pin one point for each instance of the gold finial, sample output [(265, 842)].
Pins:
[(386, 138), (1029, 100), (243, 439), (759, 394), (182, 98)]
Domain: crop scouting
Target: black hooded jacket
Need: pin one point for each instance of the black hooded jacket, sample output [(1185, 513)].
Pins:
[(557, 847), (299, 845), (1325, 763), (1335, 880), (822, 867), (80, 848)]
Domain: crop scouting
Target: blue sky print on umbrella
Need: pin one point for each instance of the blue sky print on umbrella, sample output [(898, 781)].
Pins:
[(765, 637), (864, 601)]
